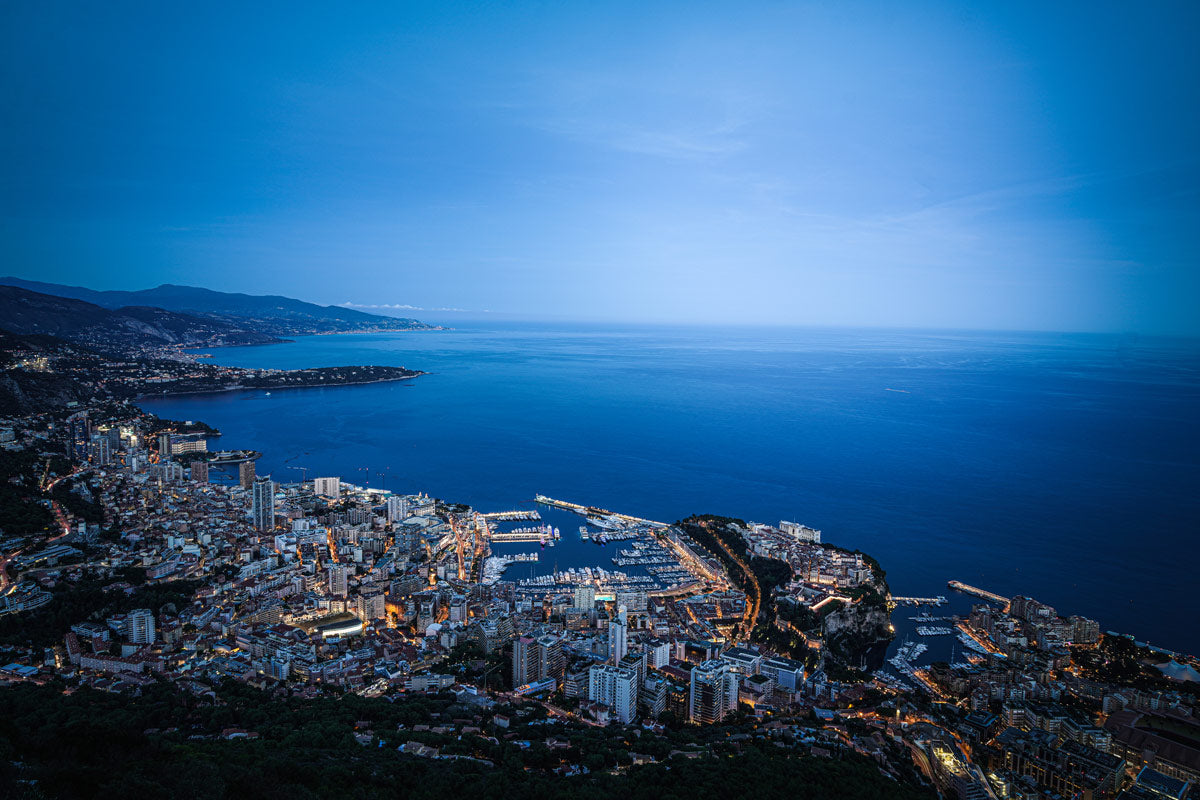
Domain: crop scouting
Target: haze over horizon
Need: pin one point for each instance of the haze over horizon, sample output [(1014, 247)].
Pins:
[(927, 165)]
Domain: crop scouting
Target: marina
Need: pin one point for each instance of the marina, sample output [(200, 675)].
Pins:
[(904, 658), (494, 566), (545, 534), (642, 559), (513, 516), (931, 630), (971, 644)]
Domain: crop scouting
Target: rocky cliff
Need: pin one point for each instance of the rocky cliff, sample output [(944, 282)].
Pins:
[(857, 634)]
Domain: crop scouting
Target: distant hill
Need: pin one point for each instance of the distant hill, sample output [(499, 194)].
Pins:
[(24, 387), (268, 314), (127, 329)]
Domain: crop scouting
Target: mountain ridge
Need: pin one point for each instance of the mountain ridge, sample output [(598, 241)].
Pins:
[(274, 315), (124, 329)]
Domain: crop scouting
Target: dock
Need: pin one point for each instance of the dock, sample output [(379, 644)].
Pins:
[(965, 588), (513, 516), (920, 601), (521, 536), (593, 511)]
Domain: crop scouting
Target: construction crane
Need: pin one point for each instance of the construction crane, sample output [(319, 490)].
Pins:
[(303, 473)]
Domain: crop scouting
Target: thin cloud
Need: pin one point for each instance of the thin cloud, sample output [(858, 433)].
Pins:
[(401, 307)]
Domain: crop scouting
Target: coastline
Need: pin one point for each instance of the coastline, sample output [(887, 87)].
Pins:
[(798, 470), (240, 387)]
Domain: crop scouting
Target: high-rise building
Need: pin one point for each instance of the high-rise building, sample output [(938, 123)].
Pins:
[(524, 661), (457, 608), (397, 508), (167, 471), (714, 692), (371, 605), (552, 663), (246, 474), (618, 638), (635, 661), (1084, 630), (262, 503), (327, 487), (100, 453), (615, 687), (633, 600), (200, 471), (654, 696), (141, 626), (339, 580), (81, 435), (585, 597), (536, 659), (164, 446), (658, 653)]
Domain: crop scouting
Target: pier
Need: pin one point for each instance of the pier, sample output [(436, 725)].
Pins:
[(965, 588), (513, 516), (593, 511), (920, 601), (521, 536), (224, 457)]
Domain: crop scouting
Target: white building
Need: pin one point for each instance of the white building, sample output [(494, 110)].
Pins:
[(714, 692), (397, 508), (801, 533), (618, 637), (371, 606), (141, 626), (615, 687), (784, 672), (339, 580), (327, 487), (658, 653), (585, 598)]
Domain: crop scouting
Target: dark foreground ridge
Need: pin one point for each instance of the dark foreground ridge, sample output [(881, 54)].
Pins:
[(237, 742)]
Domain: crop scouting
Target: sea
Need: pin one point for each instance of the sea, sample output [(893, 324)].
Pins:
[(1065, 467)]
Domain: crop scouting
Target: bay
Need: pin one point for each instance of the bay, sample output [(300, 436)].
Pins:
[(1061, 466)]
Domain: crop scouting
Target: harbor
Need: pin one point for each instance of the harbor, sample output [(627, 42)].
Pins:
[(644, 560), (519, 515)]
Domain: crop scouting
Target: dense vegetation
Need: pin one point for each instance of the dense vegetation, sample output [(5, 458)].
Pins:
[(87, 600), (1119, 660), (168, 743), (23, 509)]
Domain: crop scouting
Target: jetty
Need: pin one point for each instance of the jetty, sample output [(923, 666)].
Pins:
[(592, 511), (966, 588), (940, 600), (513, 516)]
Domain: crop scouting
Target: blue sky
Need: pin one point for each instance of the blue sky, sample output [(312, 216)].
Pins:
[(990, 165)]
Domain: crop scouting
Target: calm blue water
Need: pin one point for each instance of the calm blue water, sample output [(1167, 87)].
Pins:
[(1060, 466)]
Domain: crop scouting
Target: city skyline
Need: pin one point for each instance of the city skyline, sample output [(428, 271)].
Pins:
[(939, 166), (797, 397)]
